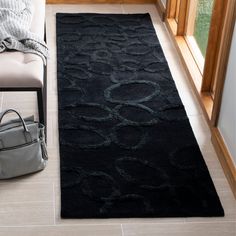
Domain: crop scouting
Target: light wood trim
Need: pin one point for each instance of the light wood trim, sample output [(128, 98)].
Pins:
[(214, 41), (177, 8), (182, 17), (172, 25), (191, 17), (161, 9), (171, 8), (196, 52), (189, 31), (98, 1), (139, 1), (222, 64), (191, 69), (225, 159)]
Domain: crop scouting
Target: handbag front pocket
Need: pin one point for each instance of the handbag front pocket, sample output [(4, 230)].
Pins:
[(21, 160)]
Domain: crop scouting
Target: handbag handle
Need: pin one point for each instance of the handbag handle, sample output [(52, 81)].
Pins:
[(2, 114)]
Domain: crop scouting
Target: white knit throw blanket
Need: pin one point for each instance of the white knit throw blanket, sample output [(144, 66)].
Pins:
[(15, 21)]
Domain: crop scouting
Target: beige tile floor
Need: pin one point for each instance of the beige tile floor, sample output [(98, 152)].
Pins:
[(31, 205)]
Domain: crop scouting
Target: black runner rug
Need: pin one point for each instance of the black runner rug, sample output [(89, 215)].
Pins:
[(126, 145)]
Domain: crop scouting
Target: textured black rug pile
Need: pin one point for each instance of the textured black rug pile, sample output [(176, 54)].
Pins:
[(126, 146)]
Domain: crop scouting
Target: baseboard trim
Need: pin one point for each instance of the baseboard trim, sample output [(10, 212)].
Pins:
[(99, 1), (225, 159), (161, 9)]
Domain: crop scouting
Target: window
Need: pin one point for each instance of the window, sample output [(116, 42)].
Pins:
[(202, 31), (197, 29)]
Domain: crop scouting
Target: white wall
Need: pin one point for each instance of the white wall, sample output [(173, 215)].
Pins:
[(227, 120)]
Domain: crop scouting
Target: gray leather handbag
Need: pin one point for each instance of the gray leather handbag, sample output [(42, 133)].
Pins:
[(22, 146)]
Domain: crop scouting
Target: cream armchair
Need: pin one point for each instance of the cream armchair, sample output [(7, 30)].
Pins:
[(25, 71)]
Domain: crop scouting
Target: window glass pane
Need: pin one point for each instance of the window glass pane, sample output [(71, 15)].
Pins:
[(202, 23)]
